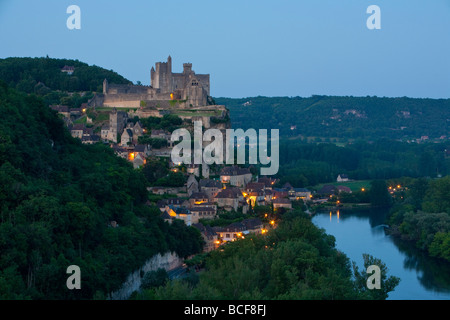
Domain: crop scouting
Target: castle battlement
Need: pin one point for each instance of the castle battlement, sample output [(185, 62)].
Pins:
[(193, 89)]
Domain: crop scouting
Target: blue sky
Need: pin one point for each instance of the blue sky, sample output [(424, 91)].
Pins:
[(250, 47)]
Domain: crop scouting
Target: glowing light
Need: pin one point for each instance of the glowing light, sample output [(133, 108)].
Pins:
[(272, 222), (171, 96), (362, 189)]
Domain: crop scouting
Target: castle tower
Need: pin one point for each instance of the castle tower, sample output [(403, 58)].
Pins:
[(169, 64), (105, 86), (169, 85), (187, 68), (161, 76)]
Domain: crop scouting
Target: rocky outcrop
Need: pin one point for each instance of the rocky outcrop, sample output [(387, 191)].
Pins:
[(167, 261)]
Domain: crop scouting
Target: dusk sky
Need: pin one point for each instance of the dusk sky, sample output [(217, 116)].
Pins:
[(250, 48)]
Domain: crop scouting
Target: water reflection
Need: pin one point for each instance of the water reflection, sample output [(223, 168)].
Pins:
[(422, 277), (433, 274)]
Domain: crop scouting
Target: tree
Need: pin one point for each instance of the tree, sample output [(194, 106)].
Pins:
[(154, 279), (379, 194), (387, 284), (437, 197)]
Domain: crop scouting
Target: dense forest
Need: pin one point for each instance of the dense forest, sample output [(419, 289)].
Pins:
[(58, 198), (331, 119), (422, 214), (307, 164), (43, 77), (296, 260)]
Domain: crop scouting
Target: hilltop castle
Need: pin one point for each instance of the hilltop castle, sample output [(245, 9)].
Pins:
[(187, 88)]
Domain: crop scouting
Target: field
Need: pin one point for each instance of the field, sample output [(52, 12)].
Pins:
[(355, 185)]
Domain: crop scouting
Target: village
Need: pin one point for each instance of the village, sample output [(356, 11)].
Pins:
[(208, 191)]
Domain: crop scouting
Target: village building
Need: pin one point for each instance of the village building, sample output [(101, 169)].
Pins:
[(80, 130), (268, 182), (345, 189), (235, 176), (327, 190), (209, 236), (117, 123), (62, 110), (299, 194), (203, 212), (192, 185), (239, 230), (181, 213), (342, 178), (229, 198), (68, 70), (282, 203), (198, 198), (210, 187), (90, 139)]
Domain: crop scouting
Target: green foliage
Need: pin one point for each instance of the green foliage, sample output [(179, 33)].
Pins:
[(437, 197), (154, 279), (156, 143), (329, 119), (294, 261), (424, 216), (387, 284), (57, 199), (30, 75), (306, 164), (225, 219), (168, 122), (379, 194)]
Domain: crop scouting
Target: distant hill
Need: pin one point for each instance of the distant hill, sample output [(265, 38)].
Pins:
[(331, 119), (42, 75)]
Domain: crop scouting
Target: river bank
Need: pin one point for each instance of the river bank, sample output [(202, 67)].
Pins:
[(365, 231)]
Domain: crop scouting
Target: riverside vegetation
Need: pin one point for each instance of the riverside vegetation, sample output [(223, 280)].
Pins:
[(58, 198)]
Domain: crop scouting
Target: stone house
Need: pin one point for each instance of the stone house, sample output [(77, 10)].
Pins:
[(181, 213), (192, 185), (282, 203), (210, 187), (229, 198), (200, 212), (127, 137), (198, 198), (235, 176), (209, 236)]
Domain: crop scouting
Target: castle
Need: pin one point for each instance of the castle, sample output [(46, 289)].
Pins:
[(187, 88)]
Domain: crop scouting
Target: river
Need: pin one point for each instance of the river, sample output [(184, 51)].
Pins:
[(357, 232)]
